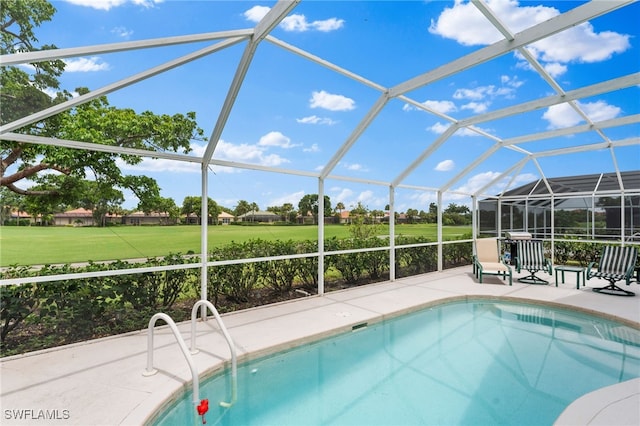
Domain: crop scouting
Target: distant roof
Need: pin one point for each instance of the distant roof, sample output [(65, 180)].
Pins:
[(593, 183), (258, 213), (80, 212)]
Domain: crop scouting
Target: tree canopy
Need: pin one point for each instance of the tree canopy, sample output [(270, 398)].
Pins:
[(57, 173), (309, 203)]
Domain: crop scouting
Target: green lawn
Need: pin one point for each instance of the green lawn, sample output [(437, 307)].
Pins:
[(47, 245)]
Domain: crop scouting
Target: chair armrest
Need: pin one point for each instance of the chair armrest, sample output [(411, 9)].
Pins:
[(589, 267), (629, 274)]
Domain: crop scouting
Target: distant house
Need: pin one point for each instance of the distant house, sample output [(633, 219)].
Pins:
[(259, 216), (20, 216), (191, 219), (344, 217), (153, 218), (306, 218), (225, 218), (75, 217)]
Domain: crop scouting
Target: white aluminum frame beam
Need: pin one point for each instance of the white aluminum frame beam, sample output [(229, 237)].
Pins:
[(72, 52), (266, 24), (56, 109)]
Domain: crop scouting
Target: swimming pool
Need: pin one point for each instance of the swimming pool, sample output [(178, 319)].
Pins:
[(462, 363)]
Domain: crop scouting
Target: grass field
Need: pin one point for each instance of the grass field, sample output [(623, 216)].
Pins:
[(51, 245)]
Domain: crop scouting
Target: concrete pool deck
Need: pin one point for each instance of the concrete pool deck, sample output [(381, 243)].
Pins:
[(100, 382)]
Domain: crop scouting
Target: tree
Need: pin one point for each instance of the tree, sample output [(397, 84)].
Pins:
[(309, 203), (412, 214), (93, 122), (242, 207), (287, 210), (283, 211), (97, 122), (9, 201), (193, 205), (23, 93), (457, 215), (358, 210), (377, 215), (101, 199), (459, 209), (163, 205)]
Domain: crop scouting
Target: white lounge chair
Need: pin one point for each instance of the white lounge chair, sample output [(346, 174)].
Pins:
[(487, 260)]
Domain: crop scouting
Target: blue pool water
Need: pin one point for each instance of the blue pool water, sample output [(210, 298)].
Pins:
[(464, 363)]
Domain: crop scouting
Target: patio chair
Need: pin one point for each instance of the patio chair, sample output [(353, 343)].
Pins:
[(616, 264), (531, 258), (487, 260)]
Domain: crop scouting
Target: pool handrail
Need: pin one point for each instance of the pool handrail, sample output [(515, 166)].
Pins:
[(227, 336), (150, 371)]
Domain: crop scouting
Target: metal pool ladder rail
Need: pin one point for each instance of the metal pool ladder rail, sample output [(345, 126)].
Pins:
[(232, 347), (150, 371)]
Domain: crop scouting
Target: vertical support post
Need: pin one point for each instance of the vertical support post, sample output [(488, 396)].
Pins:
[(593, 216), (204, 243), (320, 236), (440, 263), (622, 219), (553, 233), (392, 235), (474, 221), (499, 218)]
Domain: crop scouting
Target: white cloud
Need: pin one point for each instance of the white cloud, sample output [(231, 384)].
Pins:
[(476, 107), (330, 101), (580, 44), (247, 153), (511, 81), (312, 148), (275, 139), (482, 92), (480, 180), (108, 4), (555, 69), (445, 166), (369, 200), (350, 199), (122, 32), (314, 119), (439, 106), (256, 13), (439, 128), (295, 22), (292, 198), (355, 167), (85, 65), (563, 115), (327, 25), (342, 196), (464, 23)]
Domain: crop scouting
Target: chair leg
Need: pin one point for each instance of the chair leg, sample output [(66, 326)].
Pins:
[(532, 279), (613, 290)]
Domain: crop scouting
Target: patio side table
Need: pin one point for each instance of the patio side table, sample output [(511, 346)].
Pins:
[(579, 270)]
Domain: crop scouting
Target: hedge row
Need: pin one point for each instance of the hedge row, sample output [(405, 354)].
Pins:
[(64, 311)]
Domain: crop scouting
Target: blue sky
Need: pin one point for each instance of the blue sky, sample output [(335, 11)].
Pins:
[(294, 114)]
